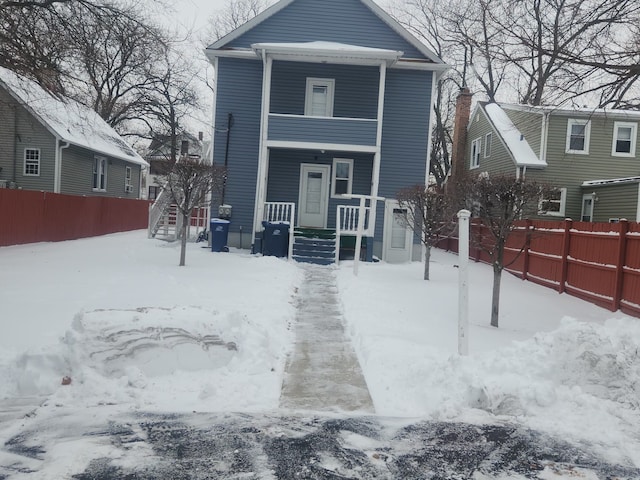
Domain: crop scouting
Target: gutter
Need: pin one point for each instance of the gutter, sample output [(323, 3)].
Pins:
[(57, 175)]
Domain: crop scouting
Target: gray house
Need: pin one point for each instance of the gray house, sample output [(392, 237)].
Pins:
[(590, 155), (60, 146), (318, 102)]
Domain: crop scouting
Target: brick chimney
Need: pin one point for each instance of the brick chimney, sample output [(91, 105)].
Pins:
[(461, 121)]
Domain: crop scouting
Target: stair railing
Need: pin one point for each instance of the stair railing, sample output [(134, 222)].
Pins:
[(156, 211), (358, 221)]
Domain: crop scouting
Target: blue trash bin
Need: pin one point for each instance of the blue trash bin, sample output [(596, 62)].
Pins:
[(275, 239), (219, 229)]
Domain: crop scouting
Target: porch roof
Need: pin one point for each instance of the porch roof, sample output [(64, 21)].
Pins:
[(332, 52)]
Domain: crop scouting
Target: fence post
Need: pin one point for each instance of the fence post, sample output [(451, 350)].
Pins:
[(463, 282), (566, 240), (621, 260), (527, 243)]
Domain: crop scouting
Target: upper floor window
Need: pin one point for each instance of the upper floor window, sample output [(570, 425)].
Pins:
[(476, 148), (319, 97), (624, 139), (342, 177), (553, 203), (578, 132), (100, 173), (32, 162), (487, 145)]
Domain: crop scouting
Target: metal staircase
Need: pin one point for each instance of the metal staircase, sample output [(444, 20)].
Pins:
[(164, 220)]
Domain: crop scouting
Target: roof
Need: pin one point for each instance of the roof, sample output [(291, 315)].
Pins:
[(378, 11), (328, 50), (522, 153), (611, 182), (68, 120), (573, 111)]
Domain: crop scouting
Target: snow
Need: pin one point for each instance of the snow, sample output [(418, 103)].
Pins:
[(611, 181), (68, 120), (522, 152), (135, 332)]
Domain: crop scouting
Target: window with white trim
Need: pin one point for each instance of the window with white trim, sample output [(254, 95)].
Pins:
[(341, 177), (32, 162), (319, 97), (487, 145), (553, 203), (624, 139), (100, 173), (127, 179), (578, 133), (476, 148)]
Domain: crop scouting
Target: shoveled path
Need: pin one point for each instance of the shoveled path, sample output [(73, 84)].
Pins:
[(322, 373)]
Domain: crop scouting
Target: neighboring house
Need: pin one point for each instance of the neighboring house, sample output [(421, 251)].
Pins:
[(590, 155), (315, 101), (60, 146)]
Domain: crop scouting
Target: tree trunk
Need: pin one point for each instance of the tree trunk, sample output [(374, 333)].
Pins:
[(427, 258), (183, 239), (495, 299)]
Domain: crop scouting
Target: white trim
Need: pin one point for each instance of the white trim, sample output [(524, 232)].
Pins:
[(215, 103), (634, 134), (488, 138), (588, 196), (432, 115), (324, 195), (96, 170), (263, 158), (322, 146), (349, 178), (128, 176), (330, 85), (638, 207), (291, 115), (377, 156), (24, 162), (474, 158), (587, 135), (562, 207)]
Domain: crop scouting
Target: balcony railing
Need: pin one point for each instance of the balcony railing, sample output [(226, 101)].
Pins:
[(332, 130)]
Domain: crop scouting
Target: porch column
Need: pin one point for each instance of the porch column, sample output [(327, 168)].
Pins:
[(263, 156), (375, 175)]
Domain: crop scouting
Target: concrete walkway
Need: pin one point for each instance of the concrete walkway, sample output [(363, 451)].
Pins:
[(323, 372)]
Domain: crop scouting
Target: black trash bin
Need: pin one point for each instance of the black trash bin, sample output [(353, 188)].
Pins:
[(219, 229), (275, 239)]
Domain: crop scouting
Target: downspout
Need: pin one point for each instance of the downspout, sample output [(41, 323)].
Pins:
[(57, 175), (543, 136), (226, 154), (15, 144)]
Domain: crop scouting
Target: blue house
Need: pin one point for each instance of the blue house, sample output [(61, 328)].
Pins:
[(319, 105)]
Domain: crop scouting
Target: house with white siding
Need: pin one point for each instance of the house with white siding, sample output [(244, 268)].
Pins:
[(321, 105), (57, 145)]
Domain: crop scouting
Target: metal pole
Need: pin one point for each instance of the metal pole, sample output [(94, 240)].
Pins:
[(360, 229), (463, 282)]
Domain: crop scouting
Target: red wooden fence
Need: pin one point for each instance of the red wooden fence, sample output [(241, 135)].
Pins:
[(598, 262), (28, 216)]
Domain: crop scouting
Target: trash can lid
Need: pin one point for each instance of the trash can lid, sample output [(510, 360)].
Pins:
[(219, 220)]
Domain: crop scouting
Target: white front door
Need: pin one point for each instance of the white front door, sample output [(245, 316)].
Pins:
[(396, 244), (587, 207), (314, 195)]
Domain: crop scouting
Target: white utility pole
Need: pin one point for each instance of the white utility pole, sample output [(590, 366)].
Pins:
[(463, 282)]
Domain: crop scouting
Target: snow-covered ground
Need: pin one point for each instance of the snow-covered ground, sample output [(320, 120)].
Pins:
[(135, 332)]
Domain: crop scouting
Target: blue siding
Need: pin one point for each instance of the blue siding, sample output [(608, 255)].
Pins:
[(239, 91), (327, 130), (284, 175), (344, 21), (356, 88)]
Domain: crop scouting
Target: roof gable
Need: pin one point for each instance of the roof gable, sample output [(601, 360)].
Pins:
[(353, 22), (68, 120)]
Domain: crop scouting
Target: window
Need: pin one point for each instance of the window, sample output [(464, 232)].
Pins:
[(342, 178), (476, 147), (553, 203), (127, 180), (624, 139), (319, 97), (578, 132), (153, 192), (32, 162), (100, 173), (487, 145)]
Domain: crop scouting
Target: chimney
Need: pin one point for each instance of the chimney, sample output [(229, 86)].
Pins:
[(461, 121)]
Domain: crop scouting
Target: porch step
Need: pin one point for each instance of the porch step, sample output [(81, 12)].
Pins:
[(322, 233), (314, 260), (320, 251)]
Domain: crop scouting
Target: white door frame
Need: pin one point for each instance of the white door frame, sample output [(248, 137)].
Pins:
[(592, 197), (325, 170), (401, 254)]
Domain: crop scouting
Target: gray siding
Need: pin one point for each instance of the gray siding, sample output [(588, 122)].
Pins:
[(615, 201), (356, 88), (405, 133), (327, 130), (239, 91), (500, 161), (344, 21), (284, 175)]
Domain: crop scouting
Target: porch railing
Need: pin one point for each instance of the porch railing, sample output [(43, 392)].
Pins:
[(282, 212)]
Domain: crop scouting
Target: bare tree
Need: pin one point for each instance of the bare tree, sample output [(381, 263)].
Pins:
[(429, 215), (188, 182), (498, 202)]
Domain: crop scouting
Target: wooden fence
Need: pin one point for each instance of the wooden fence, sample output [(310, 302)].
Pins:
[(598, 262), (29, 216)]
